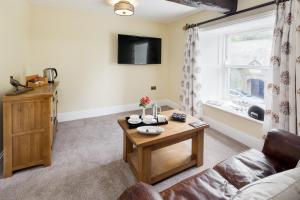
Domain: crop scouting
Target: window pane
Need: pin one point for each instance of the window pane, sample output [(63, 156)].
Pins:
[(247, 84), (250, 48)]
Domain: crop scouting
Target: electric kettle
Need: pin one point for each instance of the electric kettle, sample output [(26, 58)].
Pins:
[(51, 74)]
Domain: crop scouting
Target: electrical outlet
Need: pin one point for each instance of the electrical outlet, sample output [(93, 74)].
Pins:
[(153, 87)]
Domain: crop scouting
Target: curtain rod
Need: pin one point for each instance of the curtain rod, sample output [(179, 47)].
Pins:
[(188, 26)]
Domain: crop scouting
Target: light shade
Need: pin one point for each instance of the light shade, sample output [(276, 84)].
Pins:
[(124, 8)]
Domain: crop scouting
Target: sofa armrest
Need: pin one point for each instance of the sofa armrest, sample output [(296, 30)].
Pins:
[(140, 191), (283, 146)]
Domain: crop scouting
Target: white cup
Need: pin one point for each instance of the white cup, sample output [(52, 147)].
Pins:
[(147, 121), (134, 117), (161, 118), (148, 117)]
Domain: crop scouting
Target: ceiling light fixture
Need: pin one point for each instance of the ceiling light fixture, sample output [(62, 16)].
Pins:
[(124, 8)]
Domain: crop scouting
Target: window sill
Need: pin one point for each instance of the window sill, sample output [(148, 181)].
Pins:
[(226, 106)]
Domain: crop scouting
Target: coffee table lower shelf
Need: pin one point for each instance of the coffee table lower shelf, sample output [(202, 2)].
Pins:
[(166, 161)]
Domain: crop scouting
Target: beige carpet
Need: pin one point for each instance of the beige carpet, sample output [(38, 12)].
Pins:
[(87, 164)]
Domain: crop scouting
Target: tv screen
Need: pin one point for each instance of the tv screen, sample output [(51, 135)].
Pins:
[(138, 50)]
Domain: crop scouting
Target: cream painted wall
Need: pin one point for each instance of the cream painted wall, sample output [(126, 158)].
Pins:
[(82, 45), (175, 62), (14, 40)]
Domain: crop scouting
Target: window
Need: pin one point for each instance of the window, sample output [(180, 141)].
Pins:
[(246, 63), (235, 60)]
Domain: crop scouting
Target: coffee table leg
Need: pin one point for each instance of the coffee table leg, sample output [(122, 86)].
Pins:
[(198, 147), (127, 147), (144, 164)]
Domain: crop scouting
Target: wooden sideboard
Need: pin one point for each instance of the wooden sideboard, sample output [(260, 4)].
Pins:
[(29, 126)]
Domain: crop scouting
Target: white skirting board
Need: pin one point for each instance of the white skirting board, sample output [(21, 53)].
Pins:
[(235, 134), (69, 116)]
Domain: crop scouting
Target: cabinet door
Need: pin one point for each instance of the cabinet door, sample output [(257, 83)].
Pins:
[(28, 149), (29, 132)]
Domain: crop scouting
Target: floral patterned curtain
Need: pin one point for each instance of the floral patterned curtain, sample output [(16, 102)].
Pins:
[(283, 92), (190, 97)]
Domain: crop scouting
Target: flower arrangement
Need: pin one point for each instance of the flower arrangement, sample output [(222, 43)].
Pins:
[(144, 101)]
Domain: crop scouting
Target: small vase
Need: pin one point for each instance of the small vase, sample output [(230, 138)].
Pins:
[(143, 112)]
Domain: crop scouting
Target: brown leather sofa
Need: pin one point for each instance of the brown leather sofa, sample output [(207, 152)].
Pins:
[(281, 152)]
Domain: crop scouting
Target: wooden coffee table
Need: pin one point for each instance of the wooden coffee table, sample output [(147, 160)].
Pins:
[(154, 158)]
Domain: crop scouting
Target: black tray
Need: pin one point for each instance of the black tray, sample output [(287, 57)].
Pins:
[(132, 126)]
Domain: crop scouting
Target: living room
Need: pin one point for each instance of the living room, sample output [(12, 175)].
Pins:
[(209, 66)]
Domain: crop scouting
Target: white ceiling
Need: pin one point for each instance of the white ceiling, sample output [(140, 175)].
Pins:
[(157, 10)]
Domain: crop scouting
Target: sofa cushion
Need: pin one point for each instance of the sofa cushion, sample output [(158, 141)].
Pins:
[(208, 185), (283, 146), (140, 191), (247, 167), (281, 186)]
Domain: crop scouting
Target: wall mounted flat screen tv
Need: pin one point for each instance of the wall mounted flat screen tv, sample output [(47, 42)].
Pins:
[(139, 50)]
